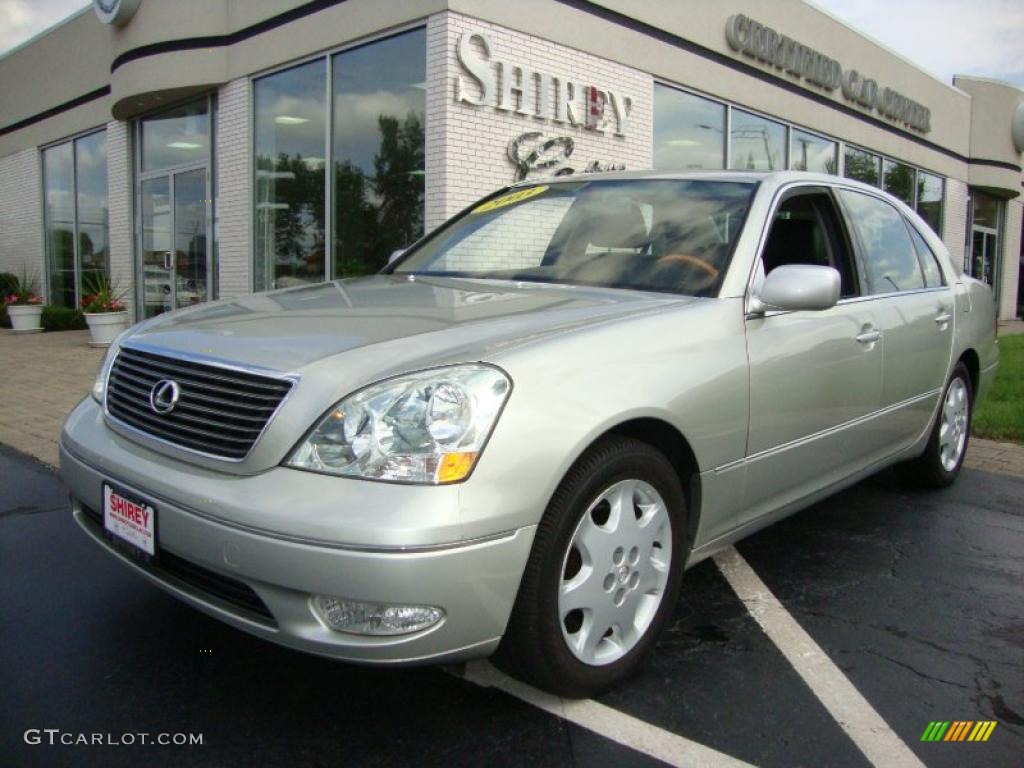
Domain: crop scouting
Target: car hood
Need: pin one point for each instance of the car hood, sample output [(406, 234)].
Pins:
[(419, 318)]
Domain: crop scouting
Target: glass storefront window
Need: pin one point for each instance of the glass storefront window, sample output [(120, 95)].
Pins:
[(379, 115), (756, 144), (179, 136), (689, 132), (899, 180), (808, 152), (76, 219), (91, 186), (861, 165), (290, 137), (59, 186), (929, 199)]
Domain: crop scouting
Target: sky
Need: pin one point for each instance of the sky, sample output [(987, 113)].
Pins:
[(973, 37)]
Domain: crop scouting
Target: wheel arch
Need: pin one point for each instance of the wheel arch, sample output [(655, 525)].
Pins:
[(973, 363), (673, 444)]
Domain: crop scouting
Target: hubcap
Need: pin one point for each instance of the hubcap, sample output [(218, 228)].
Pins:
[(953, 430), (614, 572)]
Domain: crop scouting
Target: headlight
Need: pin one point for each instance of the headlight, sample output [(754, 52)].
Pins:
[(100, 385), (426, 427)]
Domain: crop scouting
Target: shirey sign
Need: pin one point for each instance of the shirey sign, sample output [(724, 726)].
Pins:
[(513, 87)]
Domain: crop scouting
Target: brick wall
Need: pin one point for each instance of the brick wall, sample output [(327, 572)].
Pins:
[(119, 196), (466, 146), (233, 207), (21, 215), (954, 221)]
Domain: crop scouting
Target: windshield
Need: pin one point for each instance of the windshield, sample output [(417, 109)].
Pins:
[(656, 235)]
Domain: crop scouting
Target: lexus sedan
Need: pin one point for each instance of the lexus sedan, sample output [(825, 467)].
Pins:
[(517, 436)]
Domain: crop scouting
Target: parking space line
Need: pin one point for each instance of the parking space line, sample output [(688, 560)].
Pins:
[(606, 722), (856, 716)]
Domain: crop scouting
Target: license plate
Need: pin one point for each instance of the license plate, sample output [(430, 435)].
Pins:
[(130, 519)]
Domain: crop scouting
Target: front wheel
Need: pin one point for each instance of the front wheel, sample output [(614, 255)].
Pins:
[(940, 464), (604, 572)]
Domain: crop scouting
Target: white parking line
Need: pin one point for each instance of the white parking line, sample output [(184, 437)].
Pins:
[(871, 734), (606, 722)]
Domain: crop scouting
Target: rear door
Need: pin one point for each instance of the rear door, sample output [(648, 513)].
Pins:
[(914, 311), (815, 376)]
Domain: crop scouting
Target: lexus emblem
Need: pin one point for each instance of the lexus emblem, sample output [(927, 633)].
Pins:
[(164, 396)]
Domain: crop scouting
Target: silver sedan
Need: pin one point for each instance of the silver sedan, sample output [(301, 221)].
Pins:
[(516, 438)]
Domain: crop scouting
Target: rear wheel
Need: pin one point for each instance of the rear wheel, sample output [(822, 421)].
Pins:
[(604, 572), (940, 464)]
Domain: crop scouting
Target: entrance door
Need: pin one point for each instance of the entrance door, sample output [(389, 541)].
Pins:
[(174, 249), (984, 253), (174, 158)]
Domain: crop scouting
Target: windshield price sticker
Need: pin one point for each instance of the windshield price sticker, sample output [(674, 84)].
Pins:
[(510, 199)]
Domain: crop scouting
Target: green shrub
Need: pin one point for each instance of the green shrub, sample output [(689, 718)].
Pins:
[(8, 282), (62, 319)]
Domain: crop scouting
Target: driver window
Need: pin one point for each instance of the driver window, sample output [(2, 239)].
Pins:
[(806, 230)]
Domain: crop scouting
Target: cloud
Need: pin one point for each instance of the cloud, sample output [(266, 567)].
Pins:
[(984, 38), (21, 19)]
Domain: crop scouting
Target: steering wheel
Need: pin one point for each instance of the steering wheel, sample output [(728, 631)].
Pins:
[(694, 261)]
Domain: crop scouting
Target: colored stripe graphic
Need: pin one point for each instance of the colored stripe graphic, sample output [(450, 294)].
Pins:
[(958, 730)]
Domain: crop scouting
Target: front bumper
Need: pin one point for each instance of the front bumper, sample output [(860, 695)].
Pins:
[(263, 583)]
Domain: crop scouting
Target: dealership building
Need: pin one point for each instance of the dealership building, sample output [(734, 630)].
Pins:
[(200, 149)]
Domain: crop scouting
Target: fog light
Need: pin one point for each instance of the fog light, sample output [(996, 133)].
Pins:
[(375, 618)]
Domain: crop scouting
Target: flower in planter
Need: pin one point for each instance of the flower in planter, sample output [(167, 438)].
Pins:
[(23, 298), (24, 291), (103, 296)]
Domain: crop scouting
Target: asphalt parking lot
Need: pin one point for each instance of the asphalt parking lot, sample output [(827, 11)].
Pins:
[(916, 599)]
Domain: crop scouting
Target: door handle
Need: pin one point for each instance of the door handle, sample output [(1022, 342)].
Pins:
[(869, 337), (168, 260), (943, 318)]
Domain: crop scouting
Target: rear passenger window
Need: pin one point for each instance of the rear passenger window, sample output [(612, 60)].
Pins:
[(930, 266), (890, 257)]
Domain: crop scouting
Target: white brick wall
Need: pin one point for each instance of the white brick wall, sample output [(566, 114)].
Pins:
[(1011, 260), (21, 215), (233, 206), (954, 221), (119, 194), (466, 146)]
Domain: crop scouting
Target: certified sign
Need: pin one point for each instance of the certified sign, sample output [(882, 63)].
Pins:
[(116, 12)]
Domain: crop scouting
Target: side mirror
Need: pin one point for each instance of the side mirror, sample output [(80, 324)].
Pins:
[(794, 287), (394, 255)]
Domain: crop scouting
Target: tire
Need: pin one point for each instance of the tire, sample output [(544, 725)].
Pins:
[(632, 578), (939, 465)]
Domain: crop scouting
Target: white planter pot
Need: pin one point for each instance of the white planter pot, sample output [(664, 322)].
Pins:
[(25, 317), (105, 326)]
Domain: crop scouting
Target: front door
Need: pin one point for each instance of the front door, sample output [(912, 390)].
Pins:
[(815, 377), (174, 209), (175, 258)]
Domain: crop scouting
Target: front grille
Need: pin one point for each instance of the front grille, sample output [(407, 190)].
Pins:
[(220, 411), (194, 578)]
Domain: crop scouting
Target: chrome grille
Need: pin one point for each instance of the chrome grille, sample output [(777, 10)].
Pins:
[(220, 411)]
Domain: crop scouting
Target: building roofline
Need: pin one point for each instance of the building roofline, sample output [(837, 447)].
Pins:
[(44, 32)]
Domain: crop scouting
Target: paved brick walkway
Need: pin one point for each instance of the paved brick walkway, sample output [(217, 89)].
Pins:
[(43, 376)]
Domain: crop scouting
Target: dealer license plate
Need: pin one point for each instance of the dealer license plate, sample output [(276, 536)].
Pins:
[(130, 519)]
